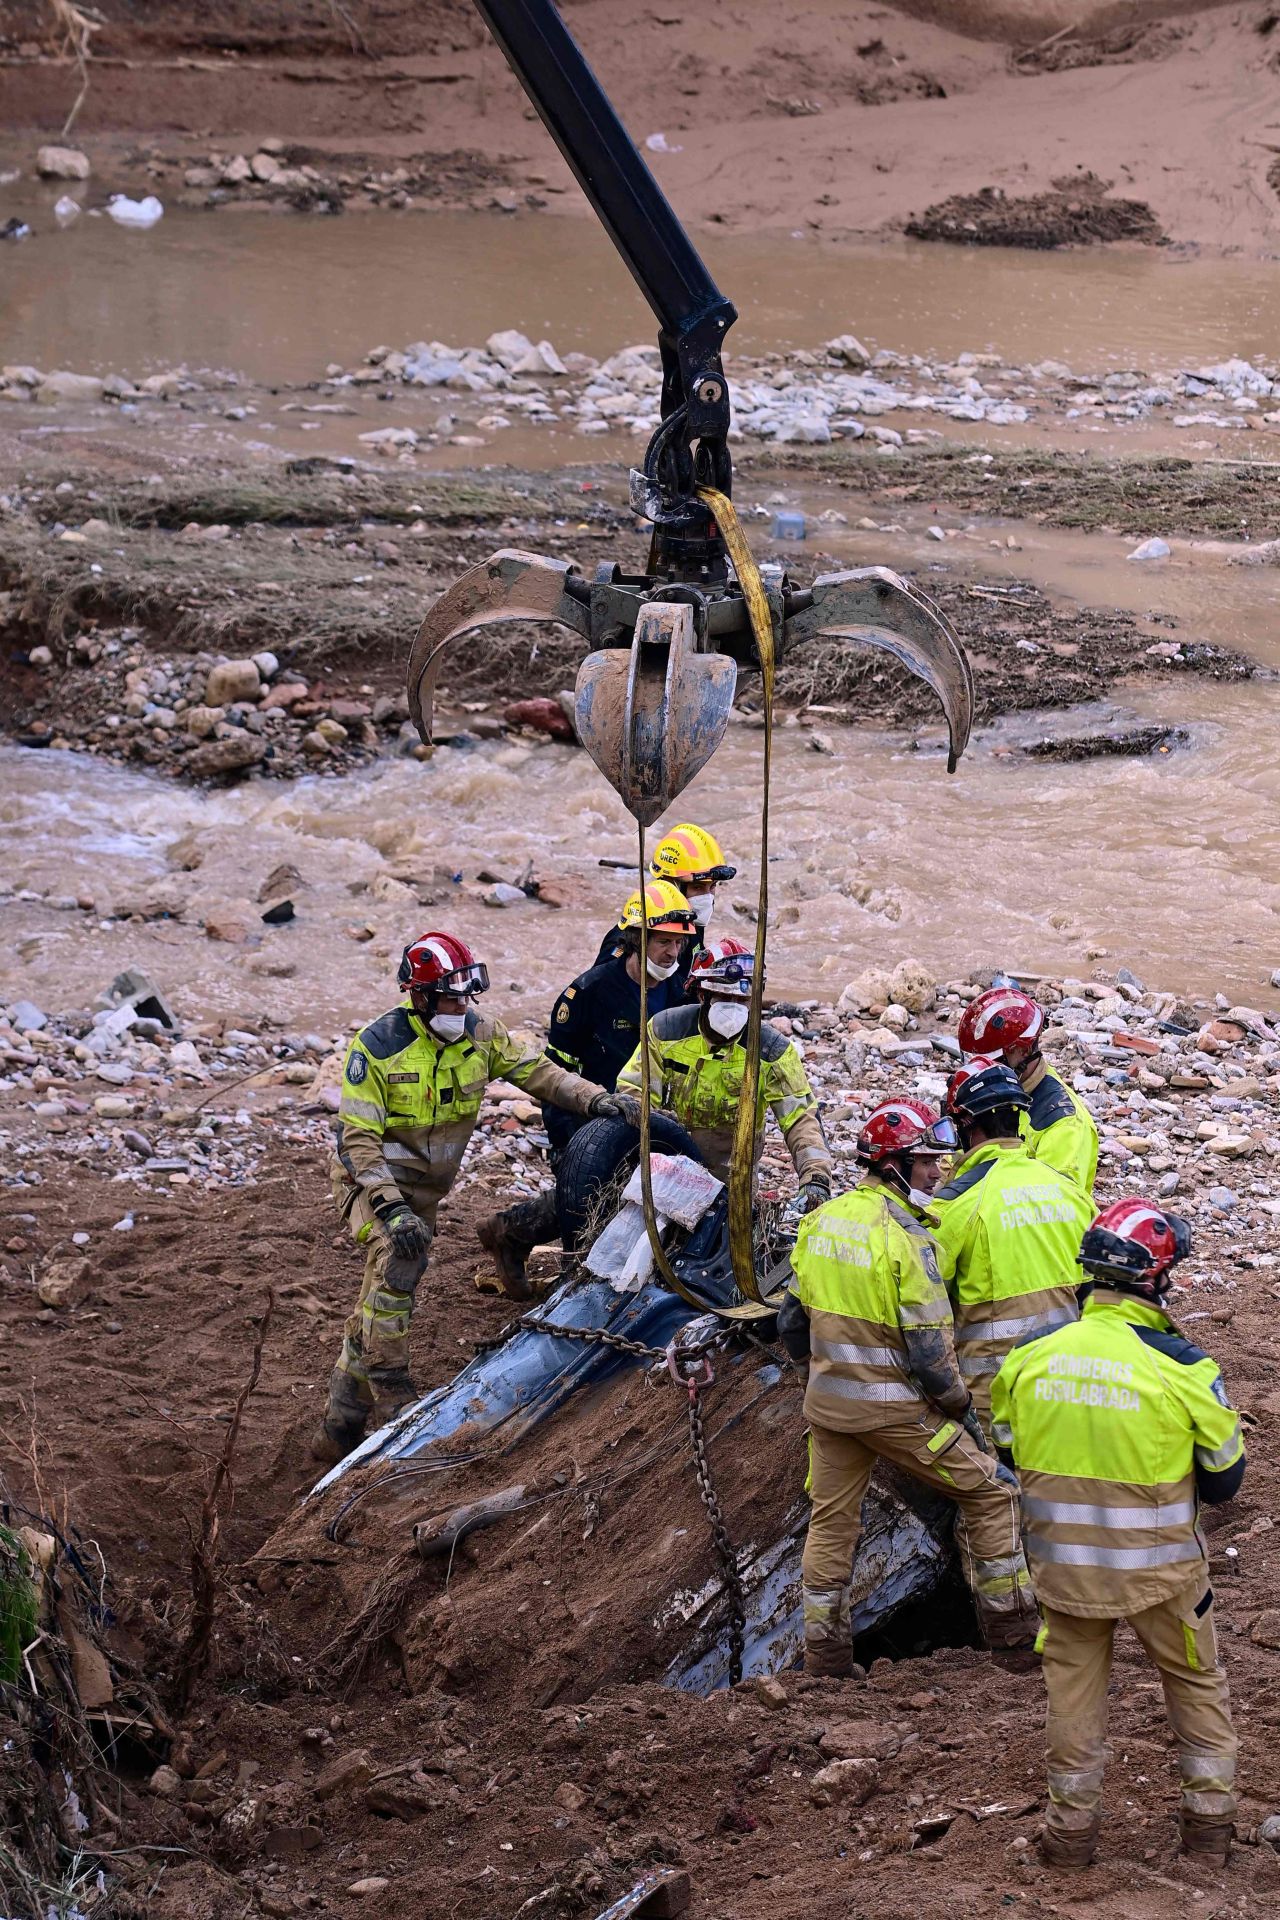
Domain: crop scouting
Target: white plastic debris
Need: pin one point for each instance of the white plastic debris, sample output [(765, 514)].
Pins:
[(682, 1189), (134, 213), (658, 143), (65, 210), (614, 1249), (1156, 549), (125, 1225)]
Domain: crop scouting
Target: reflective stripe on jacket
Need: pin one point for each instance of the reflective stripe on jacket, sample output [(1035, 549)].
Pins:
[(1107, 1421), (1009, 1229), (1059, 1129), (866, 1271), (701, 1085), (409, 1102)]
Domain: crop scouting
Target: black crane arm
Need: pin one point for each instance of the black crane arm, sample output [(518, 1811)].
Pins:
[(693, 315)]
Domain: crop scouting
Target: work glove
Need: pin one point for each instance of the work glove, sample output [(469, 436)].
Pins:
[(616, 1106), (410, 1237), (813, 1194), (1007, 1477), (972, 1427)]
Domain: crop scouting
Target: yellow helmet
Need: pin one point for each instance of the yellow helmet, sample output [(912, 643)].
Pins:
[(665, 910), (689, 853)]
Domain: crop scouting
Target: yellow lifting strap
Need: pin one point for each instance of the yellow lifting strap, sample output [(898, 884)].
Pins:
[(742, 1165)]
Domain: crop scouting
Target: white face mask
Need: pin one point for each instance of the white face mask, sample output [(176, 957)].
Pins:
[(662, 973), (448, 1026), (727, 1018), (704, 905)]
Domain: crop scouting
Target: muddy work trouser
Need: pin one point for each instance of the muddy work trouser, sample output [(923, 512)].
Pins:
[(939, 1453), (1179, 1637), (374, 1358)]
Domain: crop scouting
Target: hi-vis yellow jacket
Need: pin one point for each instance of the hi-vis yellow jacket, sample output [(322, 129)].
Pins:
[(1059, 1129), (1115, 1424), (410, 1102), (1009, 1229), (701, 1084)]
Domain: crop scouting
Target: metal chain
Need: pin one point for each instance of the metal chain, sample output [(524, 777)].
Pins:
[(731, 1578)]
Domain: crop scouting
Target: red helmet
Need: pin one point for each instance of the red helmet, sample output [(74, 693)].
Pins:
[(1132, 1246), (981, 1086), (726, 967), (904, 1126), (1000, 1018), (441, 963)]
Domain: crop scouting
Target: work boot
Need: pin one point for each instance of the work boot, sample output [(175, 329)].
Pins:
[(1070, 1847), (393, 1390), (1207, 1835), (828, 1637), (510, 1251), (345, 1420)]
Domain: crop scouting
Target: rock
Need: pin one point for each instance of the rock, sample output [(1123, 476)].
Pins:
[(1231, 1146), (1151, 550), (264, 167), (374, 1883), (912, 986), (769, 1692), (853, 1781), (63, 1284), (26, 1017), (571, 1798), (503, 895), (315, 745), (331, 731), (237, 171), (113, 1106), (40, 657), (1269, 1830), (233, 755), (806, 429), (232, 926), (1265, 1631), (56, 387), (282, 880), (62, 163), (870, 989), (165, 1783), (849, 349), (349, 1771), (286, 694), (401, 1796), (542, 714), (267, 664), (201, 721), (232, 680), (861, 1739)]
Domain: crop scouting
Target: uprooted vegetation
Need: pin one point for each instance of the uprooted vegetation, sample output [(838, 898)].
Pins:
[(1076, 212)]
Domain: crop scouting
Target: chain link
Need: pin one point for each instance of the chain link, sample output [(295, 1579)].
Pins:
[(731, 1578)]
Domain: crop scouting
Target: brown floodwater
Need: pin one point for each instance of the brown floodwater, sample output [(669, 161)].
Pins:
[(277, 297)]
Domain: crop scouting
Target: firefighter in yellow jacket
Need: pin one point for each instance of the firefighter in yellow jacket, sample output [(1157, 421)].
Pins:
[(411, 1092), (868, 1313), (1057, 1126), (1118, 1428), (697, 1063), (1009, 1227)]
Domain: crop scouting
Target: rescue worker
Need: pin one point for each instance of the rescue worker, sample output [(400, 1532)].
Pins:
[(697, 1062), (1119, 1427), (412, 1085), (595, 1028), (690, 858), (868, 1311), (1009, 1227), (1057, 1126)]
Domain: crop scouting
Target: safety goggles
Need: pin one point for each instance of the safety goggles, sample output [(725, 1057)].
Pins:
[(463, 982), (942, 1137)]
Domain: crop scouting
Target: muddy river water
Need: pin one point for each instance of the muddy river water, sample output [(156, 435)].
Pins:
[(1168, 864)]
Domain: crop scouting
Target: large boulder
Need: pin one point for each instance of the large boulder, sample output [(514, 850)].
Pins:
[(232, 680), (62, 163), (60, 386), (236, 754)]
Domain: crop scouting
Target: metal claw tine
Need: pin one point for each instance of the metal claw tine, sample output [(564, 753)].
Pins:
[(510, 586), (873, 607)]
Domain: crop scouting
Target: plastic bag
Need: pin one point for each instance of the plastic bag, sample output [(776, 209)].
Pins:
[(621, 1253), (682, 1189), (134, 213)]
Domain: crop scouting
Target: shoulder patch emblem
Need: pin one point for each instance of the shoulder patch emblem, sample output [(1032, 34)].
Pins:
[(1218, 1391), (357, 1068), (569, 993), (562, 1011)]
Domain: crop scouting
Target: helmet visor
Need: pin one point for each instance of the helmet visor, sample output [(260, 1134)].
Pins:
[(942, 1137), (464, 982)]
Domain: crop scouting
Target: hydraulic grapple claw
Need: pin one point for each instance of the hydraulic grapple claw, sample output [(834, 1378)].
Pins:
[(652, 716), (510, 586), (873, 607)]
